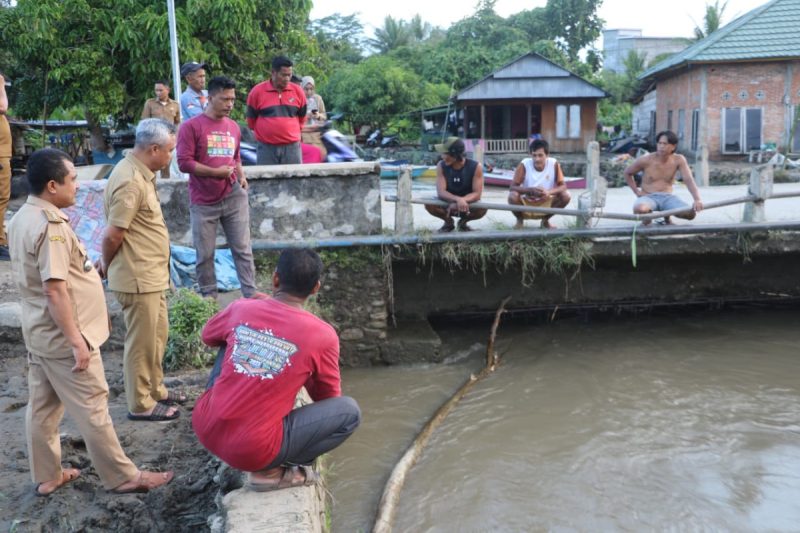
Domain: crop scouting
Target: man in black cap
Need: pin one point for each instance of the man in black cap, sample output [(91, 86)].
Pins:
[(195, 97), (459, 182)]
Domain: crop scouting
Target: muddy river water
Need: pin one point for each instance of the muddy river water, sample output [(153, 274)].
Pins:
[(681, 422)]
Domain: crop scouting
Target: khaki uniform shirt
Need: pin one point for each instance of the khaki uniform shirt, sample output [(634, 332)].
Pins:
[(171, 111), (131, 202), (5, 138), (44, 247)]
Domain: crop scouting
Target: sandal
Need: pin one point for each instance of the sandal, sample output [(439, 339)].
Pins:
[(174, 397), (159, 414), (67, 475), (287, 480), (145, 482)]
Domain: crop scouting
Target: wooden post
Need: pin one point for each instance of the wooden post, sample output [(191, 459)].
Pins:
[(761, 188), (477, 153), (483, 121), (701, 174), (595, 184), (403, 210)]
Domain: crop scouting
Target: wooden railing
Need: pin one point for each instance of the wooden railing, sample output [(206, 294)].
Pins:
[(506, 146)]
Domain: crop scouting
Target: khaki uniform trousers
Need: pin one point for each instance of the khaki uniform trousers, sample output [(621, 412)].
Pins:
[(147, 324), (5, 195), (53, 386)]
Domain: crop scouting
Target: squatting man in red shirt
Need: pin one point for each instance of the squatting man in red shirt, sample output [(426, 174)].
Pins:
[(271, 348)]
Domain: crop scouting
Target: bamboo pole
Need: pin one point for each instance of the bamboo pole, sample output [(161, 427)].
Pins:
[(387, 509)]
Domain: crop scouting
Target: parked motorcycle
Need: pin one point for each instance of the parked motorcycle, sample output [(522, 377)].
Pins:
[(378, 139), (336, 144)]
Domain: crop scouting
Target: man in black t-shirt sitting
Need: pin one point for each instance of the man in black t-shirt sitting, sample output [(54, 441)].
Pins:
[(459, 182)]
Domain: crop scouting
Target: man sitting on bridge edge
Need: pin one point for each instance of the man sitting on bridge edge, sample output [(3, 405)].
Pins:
[(459, 182)]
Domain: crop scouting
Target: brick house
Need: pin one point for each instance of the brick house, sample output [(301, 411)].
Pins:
[(732, 92)]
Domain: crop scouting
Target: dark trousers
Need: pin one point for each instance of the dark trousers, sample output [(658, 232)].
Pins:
[(311, 430)]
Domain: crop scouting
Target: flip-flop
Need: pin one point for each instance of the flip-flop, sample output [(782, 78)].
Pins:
[(174, 397), (146, 482), (287, 480), (67, 475), (159, 414)]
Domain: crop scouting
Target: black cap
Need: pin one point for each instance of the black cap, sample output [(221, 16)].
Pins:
[(192, 66)]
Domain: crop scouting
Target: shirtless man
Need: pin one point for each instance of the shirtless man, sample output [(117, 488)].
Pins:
[(659, 171)]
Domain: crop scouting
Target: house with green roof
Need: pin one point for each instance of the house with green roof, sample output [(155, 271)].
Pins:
[(733, 92)]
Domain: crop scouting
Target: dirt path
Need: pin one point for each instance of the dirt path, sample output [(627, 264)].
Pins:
[(84, 505)]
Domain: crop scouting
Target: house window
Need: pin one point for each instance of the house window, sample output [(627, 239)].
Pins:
[(669, 120), (741, 130), (695, 127), (568, 121), (681, 126), (651, 135)]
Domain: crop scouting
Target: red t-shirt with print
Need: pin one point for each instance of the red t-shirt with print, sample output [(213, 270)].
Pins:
[(273, 349), (214, 143)]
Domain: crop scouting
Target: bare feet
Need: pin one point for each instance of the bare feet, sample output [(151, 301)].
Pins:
[(144, 482), (447, 227), (49, 487), (519, 225), (547, 225)]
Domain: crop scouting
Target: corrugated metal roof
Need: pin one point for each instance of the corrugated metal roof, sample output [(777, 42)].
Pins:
[(530, 76), (767, 32)]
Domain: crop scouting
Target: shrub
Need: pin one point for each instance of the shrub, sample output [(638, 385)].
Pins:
[(188, 313)]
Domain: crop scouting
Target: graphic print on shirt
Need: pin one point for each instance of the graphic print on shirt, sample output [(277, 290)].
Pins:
[(221, 144), (259, 353)]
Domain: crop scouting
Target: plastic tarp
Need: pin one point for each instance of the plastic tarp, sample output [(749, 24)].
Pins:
[(88, 220)]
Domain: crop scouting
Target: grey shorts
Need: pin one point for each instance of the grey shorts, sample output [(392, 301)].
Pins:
[(660, 201)]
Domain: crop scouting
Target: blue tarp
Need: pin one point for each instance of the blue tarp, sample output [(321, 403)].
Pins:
[(182, 268)]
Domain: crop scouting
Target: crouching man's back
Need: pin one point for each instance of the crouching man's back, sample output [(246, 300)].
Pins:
[(273, 347)]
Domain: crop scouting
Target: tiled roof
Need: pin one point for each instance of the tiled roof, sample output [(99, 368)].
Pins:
[(770, 31)]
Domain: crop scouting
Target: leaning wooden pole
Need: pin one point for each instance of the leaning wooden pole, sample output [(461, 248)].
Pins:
[(387, 509)]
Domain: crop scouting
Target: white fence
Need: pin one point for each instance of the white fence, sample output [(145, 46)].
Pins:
[(506, 146)]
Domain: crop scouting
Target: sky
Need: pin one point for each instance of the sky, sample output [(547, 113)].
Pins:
[(656, 18)]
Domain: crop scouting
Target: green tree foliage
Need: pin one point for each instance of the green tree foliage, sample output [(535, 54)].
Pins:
[(712, 20), (339, 37), (380, 88), (574, 24), (104, 56)]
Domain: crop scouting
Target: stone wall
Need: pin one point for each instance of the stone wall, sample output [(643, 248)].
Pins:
[(293, 202)]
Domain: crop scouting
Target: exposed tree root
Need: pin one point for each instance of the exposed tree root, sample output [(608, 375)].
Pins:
[(387, 509)]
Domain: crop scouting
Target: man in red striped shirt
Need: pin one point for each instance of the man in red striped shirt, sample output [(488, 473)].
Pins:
[(276, 112)]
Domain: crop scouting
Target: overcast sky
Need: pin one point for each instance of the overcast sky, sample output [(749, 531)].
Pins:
[(656, 18)]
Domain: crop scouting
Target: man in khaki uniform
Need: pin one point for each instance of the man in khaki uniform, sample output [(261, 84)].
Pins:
[(136, 261), (5, 168), (64, 322), (165, 108)]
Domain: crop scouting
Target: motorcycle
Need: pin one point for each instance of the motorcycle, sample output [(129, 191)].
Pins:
[(378, 139), (336, 144)]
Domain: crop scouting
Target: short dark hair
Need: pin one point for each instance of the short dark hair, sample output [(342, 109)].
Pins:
[(671, 137), (299, 270), (220, 83), (45, 165), (162, 82), (537, 144), (281, 61)]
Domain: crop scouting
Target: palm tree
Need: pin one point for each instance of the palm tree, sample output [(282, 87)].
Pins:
[(393, 34), (712, 20)]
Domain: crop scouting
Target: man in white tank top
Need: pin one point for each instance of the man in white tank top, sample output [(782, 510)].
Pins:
[(538, 182)]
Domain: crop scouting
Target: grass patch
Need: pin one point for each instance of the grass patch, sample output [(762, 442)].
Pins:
[(188, 313), (562, 256)]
